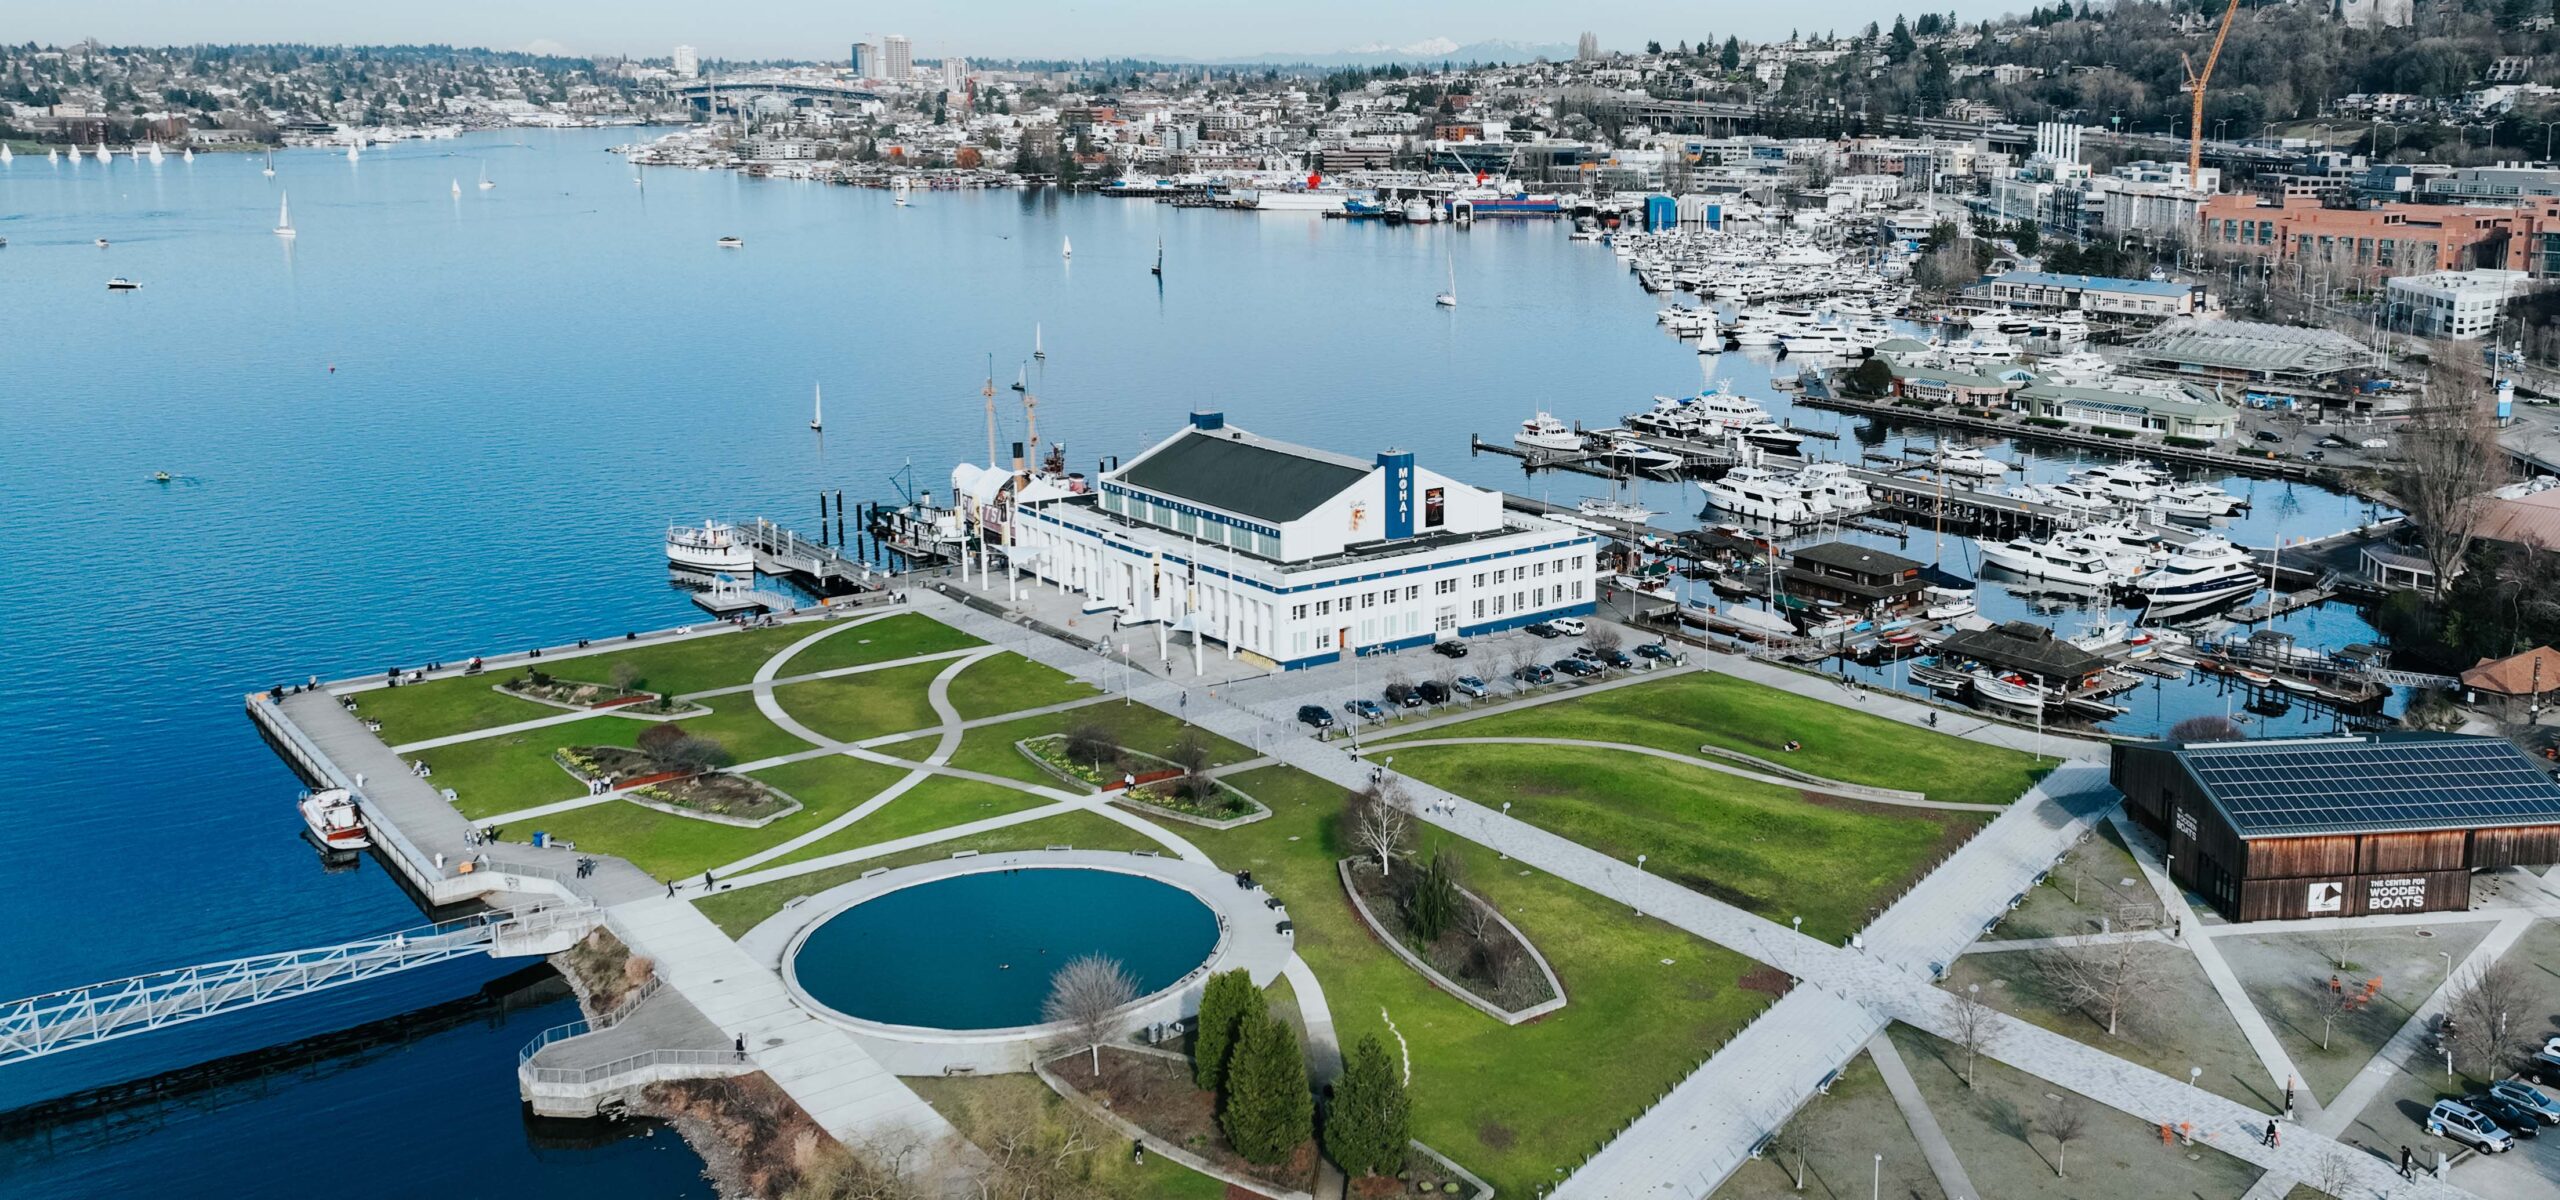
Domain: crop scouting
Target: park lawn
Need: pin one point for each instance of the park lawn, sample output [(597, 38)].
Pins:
[(1831, 1140), (850, 708), (982, 1106), (1681, 713), (506, 772), (1776, 851), (669, 846), (2177, 1025), (902, 636), (1008, 682), (438, 708), (2287, 980), (693, 664), (937, 803), (1511, 1103), (737, 910), (990, 750)]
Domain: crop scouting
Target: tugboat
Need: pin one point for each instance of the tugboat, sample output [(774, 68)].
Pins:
[(333, 822)]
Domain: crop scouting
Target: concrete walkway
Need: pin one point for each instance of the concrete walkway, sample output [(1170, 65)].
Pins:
[(1934, 1146), (1845, 791)]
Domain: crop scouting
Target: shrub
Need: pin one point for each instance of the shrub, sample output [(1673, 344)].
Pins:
[(1091, 744), (1431, 897), (655, 739)]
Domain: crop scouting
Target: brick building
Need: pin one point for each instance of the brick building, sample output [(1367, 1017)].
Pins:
[(2390, 239)]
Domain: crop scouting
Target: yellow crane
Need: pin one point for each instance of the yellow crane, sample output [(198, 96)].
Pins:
[(2196, 81)]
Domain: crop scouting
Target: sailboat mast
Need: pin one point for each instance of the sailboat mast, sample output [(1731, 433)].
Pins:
[(991, 412)]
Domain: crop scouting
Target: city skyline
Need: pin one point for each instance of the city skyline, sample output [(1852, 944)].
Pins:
[(992, 28)]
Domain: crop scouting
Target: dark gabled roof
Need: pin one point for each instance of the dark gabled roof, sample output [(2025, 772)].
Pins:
[(2296, 787), (1246, 476), (1860, 559), (2024, 645)]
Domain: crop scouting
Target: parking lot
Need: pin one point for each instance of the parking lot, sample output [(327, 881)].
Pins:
[(2531, 1171)]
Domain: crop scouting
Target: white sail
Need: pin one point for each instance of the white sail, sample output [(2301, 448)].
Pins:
[(5, 156), (457, 189), (187, 155), (355, 150), (817, 407), (284, 216), (1066, 247)]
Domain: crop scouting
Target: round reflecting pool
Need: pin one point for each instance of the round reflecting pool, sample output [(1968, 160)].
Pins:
[(976, 951)]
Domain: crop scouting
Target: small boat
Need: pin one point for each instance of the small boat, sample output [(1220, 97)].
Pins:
[(1021, 379), (713, 548), (334, 821), (187, 155), (1449, 299), (485, 182), (1158, 269), (1036, 351), (1940, 676), (5, 157), (817, 408), (161, 477), (1759, 620), (284, 216), (457, 189), (732, 243), (1615, 510), (2302, 687), (155, 152), (1066, 247), (2009, 691), (1965, 460), (2252, 675), (122, 284), (270, 169), (102, 243)]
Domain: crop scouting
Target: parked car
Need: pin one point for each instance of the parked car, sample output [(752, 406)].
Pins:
[(1577, 667), (2268, 435), (1410, 698), (1364, 707), (1315, 715), (1617, 658), (2529, 1098), (1469, 685), (1431, 692), (1570, 626), (2544, 1067), (2463, 1123), (1586, 652), (1543, 629), (2510, 1116), (1533, 673), (1655, 651), (1453, 648)]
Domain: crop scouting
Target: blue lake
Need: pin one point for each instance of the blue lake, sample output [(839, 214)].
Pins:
[(977, 951)]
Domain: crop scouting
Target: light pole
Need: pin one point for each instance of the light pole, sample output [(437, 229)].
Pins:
[(1875, 1187), (2448, 962), (2194, 1076), (1639, 871)]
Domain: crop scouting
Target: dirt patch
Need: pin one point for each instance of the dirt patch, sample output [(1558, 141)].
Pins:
[(603, 969), (1767, 980), (769, 1138), (1156, 1094), (1495, 1135)]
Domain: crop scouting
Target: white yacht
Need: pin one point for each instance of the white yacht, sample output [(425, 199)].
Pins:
[(1965, 460), (1771, 436), (713, 548), (2008, 691), (2060, 561), (2201, 496), (334, 821), (2121, 481), (1636, 456), (1670, 418), (2072, 496), (2202, 571), (1544, 432), (1833, 487), (1721, 410), (1615, 510), (1758, 492)]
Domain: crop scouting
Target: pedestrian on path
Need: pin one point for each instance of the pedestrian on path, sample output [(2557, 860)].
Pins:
[(671, 889), (2406, 1162), (2270, 1139), (742, 1047), (706, 881)]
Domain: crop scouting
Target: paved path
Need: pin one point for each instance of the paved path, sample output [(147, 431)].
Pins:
[(2013, 945), (1934, 1146), (1846, 791)]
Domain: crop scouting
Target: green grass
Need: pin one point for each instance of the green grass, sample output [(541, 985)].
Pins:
[(691, 665), (853, 707), (673, 847), (1683, 712), (507, 772), (902, 636), (1008, 682), (937, 803), (989, 749), (1511, 1103), (738, 911), (444, 707), (1767, 849)]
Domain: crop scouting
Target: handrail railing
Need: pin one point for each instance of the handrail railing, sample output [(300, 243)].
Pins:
[(627, 1005), (628, 1065)]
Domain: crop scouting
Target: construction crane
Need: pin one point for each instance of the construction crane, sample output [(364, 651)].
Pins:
[(2196, 81)]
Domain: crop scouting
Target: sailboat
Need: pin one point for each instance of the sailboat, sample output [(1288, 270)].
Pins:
[(1066, 247), (187, 155), (52, 155), (155, 152), (457, 189), (817, 408), (1036, 351), (271, 164), (1020, 376), (485, 182), (284, 216), (5, 156), (1158, 269), (355, 150), (1449, 299)]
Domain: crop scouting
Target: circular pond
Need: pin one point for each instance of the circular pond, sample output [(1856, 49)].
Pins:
[(976, 951)]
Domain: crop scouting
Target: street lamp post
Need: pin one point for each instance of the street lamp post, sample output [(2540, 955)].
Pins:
[(1875, 1187), (2194, 1077)]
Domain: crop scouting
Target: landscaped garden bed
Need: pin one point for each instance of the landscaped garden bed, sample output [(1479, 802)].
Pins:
[(1477, 955), (678, 773), (544, 688), (1165, 786), (1154, 1092)]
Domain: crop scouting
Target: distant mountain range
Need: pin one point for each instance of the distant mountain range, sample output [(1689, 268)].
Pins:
[(1429, 50)]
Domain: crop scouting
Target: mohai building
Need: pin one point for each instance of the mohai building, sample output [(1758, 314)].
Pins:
[(1294, 556)]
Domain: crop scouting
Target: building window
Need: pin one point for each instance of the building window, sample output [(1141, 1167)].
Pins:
[(1479, 610), (1435, 508), (1324, 608), (1539, 568), (1368, 599), (1297, 612), (1478, 581), (1577, 589), (1413, 591)]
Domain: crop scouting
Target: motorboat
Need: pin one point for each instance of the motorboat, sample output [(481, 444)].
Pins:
[(1668, 418), (2201, 572), (1965, 460), (1636, 456), (122, 284), (2200, 496), (2071, 496), (2126, 482), (713, 548), (334, 821), (2059, 560), (1940, 676), (1759, 492), (1544, 432), (732, 243), (1830, 487), (1772, 437)]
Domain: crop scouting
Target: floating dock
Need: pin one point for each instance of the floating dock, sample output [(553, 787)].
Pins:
[(1886, 410)]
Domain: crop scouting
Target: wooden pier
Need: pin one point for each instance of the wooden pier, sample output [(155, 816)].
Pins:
[(827, 568), (1886, 410)]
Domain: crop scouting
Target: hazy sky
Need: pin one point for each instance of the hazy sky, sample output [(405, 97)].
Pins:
[(1006, 28)]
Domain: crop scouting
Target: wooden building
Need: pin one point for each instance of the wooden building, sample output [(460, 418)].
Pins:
[(1866, 580), (2288, 828)]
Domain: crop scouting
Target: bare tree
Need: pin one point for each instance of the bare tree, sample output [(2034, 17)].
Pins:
[(2109, 980), (1085, 996), (2452, 460), (2341, 943), (625, 676), (2064, 1119), (1603, 638), (1973, 1026), (2333, 1174), (2210, 727), (1381, 823), (2487, 1002)]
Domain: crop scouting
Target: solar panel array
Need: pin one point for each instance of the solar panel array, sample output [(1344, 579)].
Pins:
[(2369, 784)]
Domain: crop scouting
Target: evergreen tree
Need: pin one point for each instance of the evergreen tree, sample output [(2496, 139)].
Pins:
[(1269, 1110), (1732, 58), (1899, 45), (1224, 1003), (1366, 1129), (1431, 898)]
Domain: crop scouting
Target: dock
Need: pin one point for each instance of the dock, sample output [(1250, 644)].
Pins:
[(2243, 464), (726, 597), (827, 568)]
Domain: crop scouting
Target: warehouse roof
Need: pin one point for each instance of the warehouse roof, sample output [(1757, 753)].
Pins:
[(2251, 346), (1249, 476), (2293, 787)]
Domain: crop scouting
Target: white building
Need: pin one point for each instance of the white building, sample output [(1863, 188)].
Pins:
[(1297, 556), (2453, 304), (865, 61), (955, 74), (897, 57), (687, 63)]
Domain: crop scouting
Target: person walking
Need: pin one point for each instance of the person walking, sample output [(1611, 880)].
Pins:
[(2270, 1139), (2407, 1163), (671, 889), (742, 1047)]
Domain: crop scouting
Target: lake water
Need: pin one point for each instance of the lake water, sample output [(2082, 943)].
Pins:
[(434, 425)]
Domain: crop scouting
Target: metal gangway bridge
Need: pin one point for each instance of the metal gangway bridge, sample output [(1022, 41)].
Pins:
[(67, 1020)]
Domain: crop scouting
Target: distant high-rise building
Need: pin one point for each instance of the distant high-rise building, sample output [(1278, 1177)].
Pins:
[(897, 58), (866, 60), (688, 64), (955, 72), (1588, 49)]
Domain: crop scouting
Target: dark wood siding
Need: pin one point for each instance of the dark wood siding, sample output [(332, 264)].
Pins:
[(2437, 850), (2532, 845), (2285, 858), (2290, 899)]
